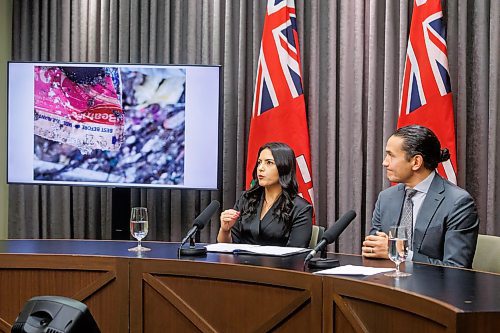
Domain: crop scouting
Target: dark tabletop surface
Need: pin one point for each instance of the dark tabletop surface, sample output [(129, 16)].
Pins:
[(468, 290)]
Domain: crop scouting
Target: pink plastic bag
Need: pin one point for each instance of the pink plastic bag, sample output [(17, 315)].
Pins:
[(86, 114)]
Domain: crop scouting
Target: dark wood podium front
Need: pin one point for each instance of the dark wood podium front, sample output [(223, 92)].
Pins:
[(159, 292), (433, 299), (206, 297)]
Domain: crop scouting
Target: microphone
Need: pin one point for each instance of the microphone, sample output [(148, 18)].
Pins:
[(198, 224), (332, 233)]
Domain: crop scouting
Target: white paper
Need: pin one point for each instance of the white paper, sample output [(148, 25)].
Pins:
[(277, 250), (228, 247), (255, 249), (354, 270)]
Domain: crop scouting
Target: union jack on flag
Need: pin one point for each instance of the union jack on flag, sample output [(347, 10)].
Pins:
[(426, 93), (279, 112), (280, 79)]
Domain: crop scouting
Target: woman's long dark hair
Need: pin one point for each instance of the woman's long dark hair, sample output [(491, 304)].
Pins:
[(284, 159)]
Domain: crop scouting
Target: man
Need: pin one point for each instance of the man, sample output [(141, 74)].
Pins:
[(444, 216)]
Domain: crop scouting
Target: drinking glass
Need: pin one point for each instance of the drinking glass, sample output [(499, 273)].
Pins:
[(139, 227), (398, 249)]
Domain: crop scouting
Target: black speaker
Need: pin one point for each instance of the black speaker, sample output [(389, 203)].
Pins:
[(54, 314)]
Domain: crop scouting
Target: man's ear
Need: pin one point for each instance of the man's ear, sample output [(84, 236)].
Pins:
[(418, 162)]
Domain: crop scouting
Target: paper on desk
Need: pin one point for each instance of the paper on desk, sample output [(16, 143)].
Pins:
[(277, 250), (228, 247), (354, 270), (254, 249)]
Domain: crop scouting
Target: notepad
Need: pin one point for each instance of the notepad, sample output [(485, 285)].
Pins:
[(254, 249)]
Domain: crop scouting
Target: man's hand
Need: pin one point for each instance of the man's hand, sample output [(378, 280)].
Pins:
[(376, 246)]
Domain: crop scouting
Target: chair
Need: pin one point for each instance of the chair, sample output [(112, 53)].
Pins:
[(316, 235), (487, 257)]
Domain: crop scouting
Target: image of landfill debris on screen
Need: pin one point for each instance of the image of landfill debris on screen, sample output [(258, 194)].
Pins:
[(109, 124)]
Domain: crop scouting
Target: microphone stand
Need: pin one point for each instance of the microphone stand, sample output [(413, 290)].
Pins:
[(193, 249), (323, 262)]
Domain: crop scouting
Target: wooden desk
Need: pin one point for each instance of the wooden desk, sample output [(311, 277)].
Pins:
[(224, 293), (432, 299), (192, 296)]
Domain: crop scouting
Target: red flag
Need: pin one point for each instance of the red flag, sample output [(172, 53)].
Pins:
[(279, 112), (426, 93)]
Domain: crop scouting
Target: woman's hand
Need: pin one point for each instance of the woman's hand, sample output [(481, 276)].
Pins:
[(228, 219)]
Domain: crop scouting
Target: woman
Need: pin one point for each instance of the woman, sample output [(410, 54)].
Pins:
[(270, 212)]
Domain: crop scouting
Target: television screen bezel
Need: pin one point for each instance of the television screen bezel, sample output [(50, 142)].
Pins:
[(124, 185)]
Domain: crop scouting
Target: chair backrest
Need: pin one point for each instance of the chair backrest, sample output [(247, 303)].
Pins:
[(316, 235), (487, 257)]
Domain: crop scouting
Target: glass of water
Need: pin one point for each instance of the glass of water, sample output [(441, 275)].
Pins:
[(139, 227), (398, 249)]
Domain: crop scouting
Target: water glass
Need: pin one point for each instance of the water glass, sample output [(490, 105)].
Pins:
[(139, 227), (398, 249)]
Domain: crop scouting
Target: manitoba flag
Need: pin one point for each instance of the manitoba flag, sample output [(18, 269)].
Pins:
[(426, 93), (279, 112)]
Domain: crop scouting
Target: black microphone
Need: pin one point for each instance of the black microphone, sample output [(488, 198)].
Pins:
[(332, 233), (202, 219)]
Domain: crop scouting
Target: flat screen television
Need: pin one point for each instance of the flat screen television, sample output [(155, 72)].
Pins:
[(95, 124)]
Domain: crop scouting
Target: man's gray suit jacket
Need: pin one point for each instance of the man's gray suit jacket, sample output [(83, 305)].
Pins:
[(446, 227)]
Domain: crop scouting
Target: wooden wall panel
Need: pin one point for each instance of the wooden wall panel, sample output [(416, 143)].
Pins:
[(101, 283), (357, 306), (225, 298)]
